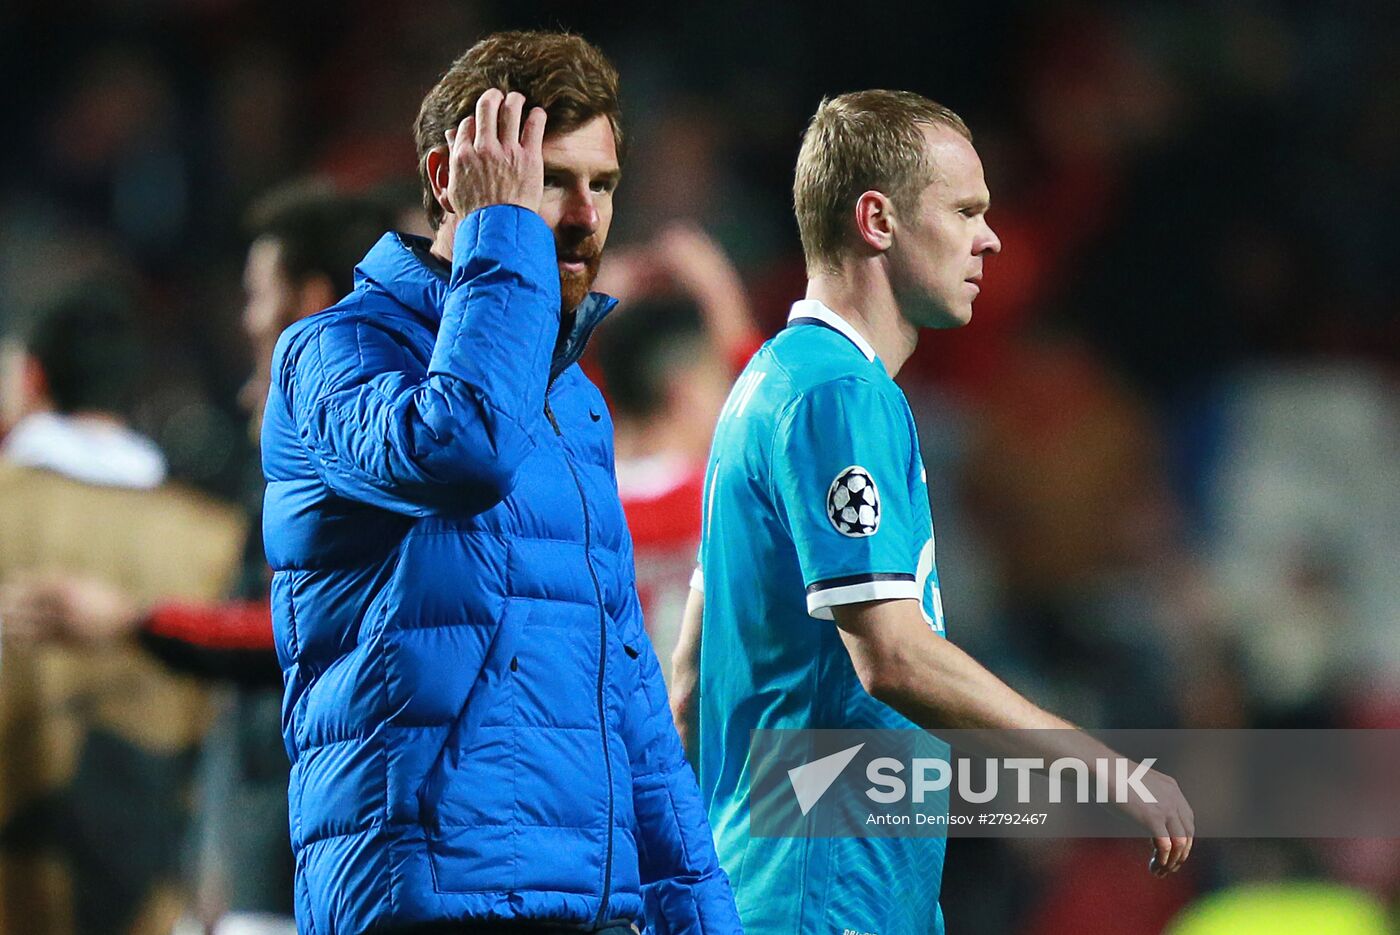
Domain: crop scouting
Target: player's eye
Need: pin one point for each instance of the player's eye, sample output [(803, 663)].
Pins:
[(604, 186), (552, 180)]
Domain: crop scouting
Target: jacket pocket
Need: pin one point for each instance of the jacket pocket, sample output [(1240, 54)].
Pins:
[(521, 796), (477, 744)]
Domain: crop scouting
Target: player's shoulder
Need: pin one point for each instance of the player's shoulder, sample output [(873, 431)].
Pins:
[(813, 356), (851, 392), (845, 405), (809, 372)]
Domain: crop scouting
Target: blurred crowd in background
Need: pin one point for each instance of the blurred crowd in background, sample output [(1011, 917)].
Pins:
[(1162, 458)]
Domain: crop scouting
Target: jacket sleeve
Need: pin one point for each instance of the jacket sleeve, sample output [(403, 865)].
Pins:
[(381, 430), (685, 890)]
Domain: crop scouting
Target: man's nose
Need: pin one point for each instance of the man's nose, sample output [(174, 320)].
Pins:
[(579, 211), (991, 243)]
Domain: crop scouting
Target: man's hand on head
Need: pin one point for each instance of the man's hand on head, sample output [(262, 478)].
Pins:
[(494, 155)]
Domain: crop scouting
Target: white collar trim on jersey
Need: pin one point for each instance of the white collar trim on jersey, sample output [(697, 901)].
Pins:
[(811, 308)]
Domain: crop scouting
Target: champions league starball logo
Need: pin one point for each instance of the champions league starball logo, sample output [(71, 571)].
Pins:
[(853, 503)]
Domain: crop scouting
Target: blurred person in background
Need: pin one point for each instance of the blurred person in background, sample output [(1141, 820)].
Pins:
[(477, 721), (666, 362), (306, 239), (96, 747), (817, 511)]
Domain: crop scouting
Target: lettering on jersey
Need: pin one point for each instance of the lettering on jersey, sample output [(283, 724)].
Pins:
[(921, 581), (853, 503), (709, 495)]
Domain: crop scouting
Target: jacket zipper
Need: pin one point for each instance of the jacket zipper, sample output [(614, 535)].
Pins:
[(602, 661)]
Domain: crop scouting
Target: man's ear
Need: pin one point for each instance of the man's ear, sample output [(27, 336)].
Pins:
[(875, 220), (437, 163)]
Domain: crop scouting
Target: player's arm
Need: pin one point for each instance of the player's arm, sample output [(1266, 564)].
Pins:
[(903, 663), (381, 428), (685, 675), (862, 574), (230, 641), (698, 263)]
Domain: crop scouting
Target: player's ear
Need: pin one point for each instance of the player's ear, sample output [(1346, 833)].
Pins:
[(875, 220)]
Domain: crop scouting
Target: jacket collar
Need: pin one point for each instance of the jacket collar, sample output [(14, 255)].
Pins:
[(403, 266), (592, 310)]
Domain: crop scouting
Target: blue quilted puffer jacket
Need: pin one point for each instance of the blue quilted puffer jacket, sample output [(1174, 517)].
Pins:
[(476, 719)]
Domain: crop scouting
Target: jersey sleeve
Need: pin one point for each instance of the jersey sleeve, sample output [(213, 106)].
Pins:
[(840, 474)]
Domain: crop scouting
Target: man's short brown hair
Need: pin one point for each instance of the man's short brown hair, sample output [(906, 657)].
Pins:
[(859, 142), (566, 75)]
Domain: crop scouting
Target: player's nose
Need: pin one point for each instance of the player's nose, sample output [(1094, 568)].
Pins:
[(989, 242)]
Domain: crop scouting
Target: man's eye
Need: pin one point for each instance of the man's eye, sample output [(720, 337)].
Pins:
[(604, 186), (552, 181)]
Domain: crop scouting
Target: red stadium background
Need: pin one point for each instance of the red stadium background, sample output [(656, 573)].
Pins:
[(1162, 459)]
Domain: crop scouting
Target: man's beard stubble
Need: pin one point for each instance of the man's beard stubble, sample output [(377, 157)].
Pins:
[(573, 287)]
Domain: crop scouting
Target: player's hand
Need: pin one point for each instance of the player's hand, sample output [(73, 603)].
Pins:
[(66, 608), (1170, 821), (494, 155)]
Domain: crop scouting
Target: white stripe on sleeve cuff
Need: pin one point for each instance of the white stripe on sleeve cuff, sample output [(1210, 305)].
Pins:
[(819, 603)]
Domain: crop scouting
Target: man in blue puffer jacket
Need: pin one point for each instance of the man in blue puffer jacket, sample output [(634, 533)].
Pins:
[(478, 726)]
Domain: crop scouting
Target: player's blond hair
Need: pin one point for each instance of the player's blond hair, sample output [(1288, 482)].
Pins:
[(859, 142)]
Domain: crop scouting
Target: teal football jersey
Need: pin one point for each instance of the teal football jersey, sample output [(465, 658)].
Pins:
[(815, 496)]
